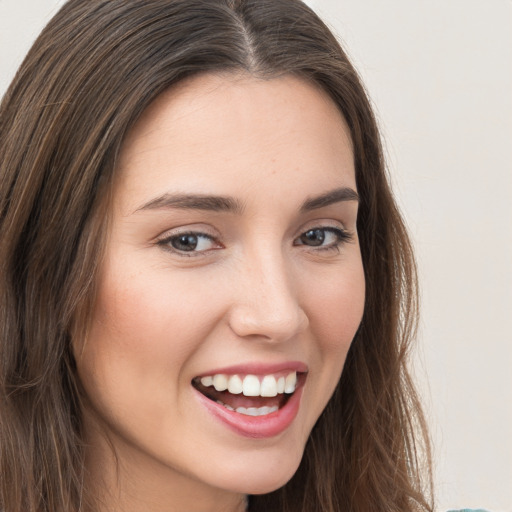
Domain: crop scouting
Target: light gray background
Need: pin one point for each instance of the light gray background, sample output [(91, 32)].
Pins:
[(440, 74)]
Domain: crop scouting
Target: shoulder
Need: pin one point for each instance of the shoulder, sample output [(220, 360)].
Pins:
[(468, 510)]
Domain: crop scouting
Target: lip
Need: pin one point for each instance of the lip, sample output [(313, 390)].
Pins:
[(258, 427), (259, 369)]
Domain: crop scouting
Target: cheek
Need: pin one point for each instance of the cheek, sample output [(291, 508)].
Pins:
[(336, 309), (145, 327), (135, 357), (146, 316)]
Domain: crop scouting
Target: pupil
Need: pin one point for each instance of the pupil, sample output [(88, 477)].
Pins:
[(313, 237), (185, 242)]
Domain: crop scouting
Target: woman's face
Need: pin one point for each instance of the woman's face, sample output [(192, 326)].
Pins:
[(232, 260)]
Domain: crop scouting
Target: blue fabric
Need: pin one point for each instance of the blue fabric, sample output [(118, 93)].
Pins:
[(468, 510)]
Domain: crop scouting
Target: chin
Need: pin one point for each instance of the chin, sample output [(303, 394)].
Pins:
[(264, 478)]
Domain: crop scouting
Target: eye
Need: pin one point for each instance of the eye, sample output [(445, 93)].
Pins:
[(324, 237), (191, 242)]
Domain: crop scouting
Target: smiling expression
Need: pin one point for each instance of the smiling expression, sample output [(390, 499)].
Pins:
[(232, 274)]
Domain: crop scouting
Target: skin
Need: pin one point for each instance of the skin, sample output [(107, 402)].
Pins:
[(253, 291)]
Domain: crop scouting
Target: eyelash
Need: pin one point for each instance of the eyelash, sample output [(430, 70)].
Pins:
[(342, 236)]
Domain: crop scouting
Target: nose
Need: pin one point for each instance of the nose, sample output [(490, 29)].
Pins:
[(265, 301)]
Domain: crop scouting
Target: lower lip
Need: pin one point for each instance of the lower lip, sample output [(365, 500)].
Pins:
[(266, 426)]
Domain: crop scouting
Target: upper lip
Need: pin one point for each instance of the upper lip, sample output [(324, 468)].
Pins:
[(254, 368)]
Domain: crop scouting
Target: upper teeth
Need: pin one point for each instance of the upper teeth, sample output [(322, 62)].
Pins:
[(251, 385)]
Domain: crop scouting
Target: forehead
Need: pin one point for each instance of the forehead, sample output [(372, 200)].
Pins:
[(227, 131)]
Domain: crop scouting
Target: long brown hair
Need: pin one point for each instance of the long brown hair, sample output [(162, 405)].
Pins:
[(88, 77)]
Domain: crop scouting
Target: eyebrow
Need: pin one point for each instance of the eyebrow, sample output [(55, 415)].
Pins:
[(194, 202), (232, 205), (337, 195)]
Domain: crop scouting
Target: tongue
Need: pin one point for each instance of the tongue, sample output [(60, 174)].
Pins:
[(240, 400), (249, 401)]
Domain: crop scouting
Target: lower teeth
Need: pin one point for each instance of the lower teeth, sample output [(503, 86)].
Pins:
[(251, 411)]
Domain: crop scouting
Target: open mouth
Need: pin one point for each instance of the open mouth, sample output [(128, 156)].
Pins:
[(251, 395)]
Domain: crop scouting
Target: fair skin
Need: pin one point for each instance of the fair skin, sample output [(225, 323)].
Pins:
[(266, 281)]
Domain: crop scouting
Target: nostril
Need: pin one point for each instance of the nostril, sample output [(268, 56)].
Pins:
[(272, 323)]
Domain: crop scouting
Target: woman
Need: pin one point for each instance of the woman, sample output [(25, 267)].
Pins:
[(198, 239)]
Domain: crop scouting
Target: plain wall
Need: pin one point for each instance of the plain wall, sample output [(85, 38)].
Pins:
[(440, 75)]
